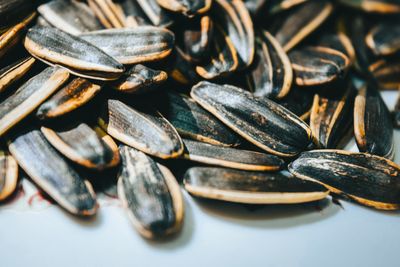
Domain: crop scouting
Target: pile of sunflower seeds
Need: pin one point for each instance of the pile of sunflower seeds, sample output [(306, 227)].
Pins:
[(258, 95)]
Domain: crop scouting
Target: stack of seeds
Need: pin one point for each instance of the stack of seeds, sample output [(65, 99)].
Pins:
[(260, 95)]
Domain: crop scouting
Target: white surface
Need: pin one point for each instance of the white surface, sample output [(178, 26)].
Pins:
[(214, 234)]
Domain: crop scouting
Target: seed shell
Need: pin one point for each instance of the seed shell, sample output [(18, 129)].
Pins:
[(13, 11), (375, 6), (339, 42), (29, 96), (142, 128), (14, 72), (8, 174), (370, 180), (251, 187), (299, 101), (157, 15), (52, 173), (386, 73), (261, 121), (56, 47), (150, 194), (188, 8), (108, 13), (384, 39)]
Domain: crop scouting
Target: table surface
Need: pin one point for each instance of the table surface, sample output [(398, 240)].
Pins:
[(214, 234)]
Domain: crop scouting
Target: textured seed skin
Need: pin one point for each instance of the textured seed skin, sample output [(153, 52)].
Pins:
[(298, 101), (375, 6), (188, 8), (12, 11), (144, 129), (192, 121), (261, 121), (15, 71), (231, 157), (133, 45), (386, 73), (30, 95), (157, 15), (52, 173), (8, 174), (80, 57), (250, 187), (373, 128), (150, 194), (370, 180), (339, 42), (384, 39)]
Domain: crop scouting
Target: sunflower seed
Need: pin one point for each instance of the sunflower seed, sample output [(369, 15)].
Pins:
[(276, 6), (150, 194), (339, 42), (272, 73), (144, 129), (132, 46), (140, 79), (376, 6), (370, 180), (188, 8), (73, 16), (29, 96), (181, 68), (386, 73), (13, 11), (261, 121), (108, 13), (80, 143), (8, 174), (251, 187), (396, 113), (153, 11), (14, 72), (52, 173), (78, 56), (316, 65), (73, 95), (134, 14), (230, 157), (302, 22), (384, 39), (299, 101), (373, 127)]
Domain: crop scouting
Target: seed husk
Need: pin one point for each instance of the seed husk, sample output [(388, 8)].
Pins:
[(29, 96), (133, 45), (142, 128), (370, 180), (276, 6), (14, 72), (386, 73), (317, 65), (140, 79), (52, 173), (272, 73), (251, 187), (13, 11), (181, 68), (235, 21), (331, 113), (262, 122), (302, 22), (384, 39), (150, 194), (108, 13), (73, 95), (375, 6), (396, 113), (56, 47), (81, 144), (299, 101), (339, 42), (155, 13), (192, 121), (373, 128), (8, 174), (134, 14), (72, 16), (230, 157), (188, 8)]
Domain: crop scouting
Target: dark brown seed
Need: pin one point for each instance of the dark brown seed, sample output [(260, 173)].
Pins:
[(302, 22), (386, 73), (370, 180), (192, 121), (150, 194), (155, 13), (223, 58), (140, 79), (373, 127), (133, 45), (235, 21), (29, 96), (134, 14), (331, 113), (56, 47), (230, 157), (13, 11), (81, 144), (251, 187), (298, 101), (375, 6), (261, 121), (189, 8), (8, 174), (73, 16), (316, 65), (384, 39), (339, 42), (181, 68), (73, 95), (396, 113), (272, 74), (14, 72), (276, 6), (52, 173), (144, 129)]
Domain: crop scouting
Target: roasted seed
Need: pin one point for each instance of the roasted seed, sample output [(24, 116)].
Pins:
[(386, 73), (155, 13), (150, 194), (29, 96), (251, 187), (375, 6), (261, 121), (339, 42), (52, 173), (370, 180), (299, 101), (8, 174), (14, 72), (188, 8), (14, 11), (108, 13)]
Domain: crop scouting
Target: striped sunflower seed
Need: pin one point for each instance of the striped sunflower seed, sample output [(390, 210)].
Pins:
[(384, 39), (188, 8), (8, 174), (375, 6), (14, 72)]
